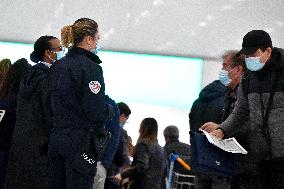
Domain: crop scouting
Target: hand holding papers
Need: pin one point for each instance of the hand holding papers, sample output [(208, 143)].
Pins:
[(228, 145)]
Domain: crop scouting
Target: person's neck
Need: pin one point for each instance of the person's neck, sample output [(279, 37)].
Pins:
[(47, 60), (83, 46)]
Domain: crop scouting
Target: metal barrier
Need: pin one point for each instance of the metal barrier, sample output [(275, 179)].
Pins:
[(177, 180)]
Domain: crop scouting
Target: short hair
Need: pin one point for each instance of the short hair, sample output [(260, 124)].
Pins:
[(74, 34), (171, 132), (236, 60), (123, 109), (40, 46)]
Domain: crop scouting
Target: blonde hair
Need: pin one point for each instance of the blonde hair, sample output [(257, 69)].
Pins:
[(74, 34), (4, 67)]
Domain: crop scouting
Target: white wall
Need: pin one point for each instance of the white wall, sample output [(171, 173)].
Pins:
[(211, 70), (165, 116)]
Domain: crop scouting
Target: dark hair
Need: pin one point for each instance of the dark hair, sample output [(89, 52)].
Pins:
[(236, 60), (14, 77), (148, 130), (171, 132), (40, 46), (74, 34), (123, 108), (4, 67)]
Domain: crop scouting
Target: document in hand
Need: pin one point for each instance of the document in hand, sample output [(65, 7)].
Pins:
[(228, 145)]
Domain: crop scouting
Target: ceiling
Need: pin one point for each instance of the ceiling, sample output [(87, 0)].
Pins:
[(191, 28)]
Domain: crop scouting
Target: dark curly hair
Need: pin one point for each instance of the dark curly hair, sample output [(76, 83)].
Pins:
[(40, 46)]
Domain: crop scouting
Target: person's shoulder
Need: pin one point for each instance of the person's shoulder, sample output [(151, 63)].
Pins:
[(184, 145)]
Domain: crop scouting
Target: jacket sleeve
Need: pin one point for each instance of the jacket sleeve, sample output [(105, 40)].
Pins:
[(142, 162), (93, 99), (113, 127), (239, 116)]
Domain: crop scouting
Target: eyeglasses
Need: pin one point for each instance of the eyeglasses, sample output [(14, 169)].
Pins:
[(57, 48)]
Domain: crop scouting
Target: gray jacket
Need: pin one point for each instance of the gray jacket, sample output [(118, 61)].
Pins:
[(248, 107)]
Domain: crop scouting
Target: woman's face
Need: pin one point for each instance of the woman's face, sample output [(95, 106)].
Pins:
[(95, 40)]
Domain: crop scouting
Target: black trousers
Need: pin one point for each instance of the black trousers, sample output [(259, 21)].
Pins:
[(244, 181), (274, 174), (63, 146), (3, 166)]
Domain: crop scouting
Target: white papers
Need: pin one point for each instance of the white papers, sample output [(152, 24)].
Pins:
[(2, 113), (229, 145)]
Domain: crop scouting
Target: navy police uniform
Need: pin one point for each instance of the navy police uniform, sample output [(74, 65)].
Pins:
[(78, 104)]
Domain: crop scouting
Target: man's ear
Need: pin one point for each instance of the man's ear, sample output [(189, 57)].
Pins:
[(269, 50)]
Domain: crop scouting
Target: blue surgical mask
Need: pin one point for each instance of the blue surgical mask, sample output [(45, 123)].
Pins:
[(253, 63), (96, 50), (224, 77), (60, 54)]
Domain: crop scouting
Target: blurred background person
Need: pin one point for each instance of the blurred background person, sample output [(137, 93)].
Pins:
[(109, 147), (4, 66), (79, 107), (8, 103), (147, 168), (121, 158), (173, 145), (27, 166)]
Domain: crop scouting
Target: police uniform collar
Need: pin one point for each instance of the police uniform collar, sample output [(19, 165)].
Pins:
[(89, 54)]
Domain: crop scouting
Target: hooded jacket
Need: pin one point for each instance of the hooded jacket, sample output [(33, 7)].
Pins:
[(209, 106), (26, 167)]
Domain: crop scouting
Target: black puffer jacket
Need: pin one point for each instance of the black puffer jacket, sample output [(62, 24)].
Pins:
[(27, 168)]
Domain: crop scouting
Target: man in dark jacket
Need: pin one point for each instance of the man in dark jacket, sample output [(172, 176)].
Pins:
[(173, 145), (260, 100), (209, 105), (110, 147), (247, 174), (121, 157)]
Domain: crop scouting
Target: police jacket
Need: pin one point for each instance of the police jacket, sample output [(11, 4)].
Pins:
[(77, 91), (8, 114)]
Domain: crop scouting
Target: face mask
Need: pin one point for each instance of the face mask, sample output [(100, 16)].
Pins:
[(59, 55), (254, 64), (121, 125), (224, 77), (96, 50)]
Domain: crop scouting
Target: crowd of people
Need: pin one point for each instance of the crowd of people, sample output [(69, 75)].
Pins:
[(59, 130)]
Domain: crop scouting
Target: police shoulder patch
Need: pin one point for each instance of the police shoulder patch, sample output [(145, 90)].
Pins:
[(95, 86)]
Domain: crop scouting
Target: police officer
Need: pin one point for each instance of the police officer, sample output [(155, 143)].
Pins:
[(78, 106)]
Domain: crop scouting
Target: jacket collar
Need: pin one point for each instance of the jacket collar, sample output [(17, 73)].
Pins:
[(90, 55)]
